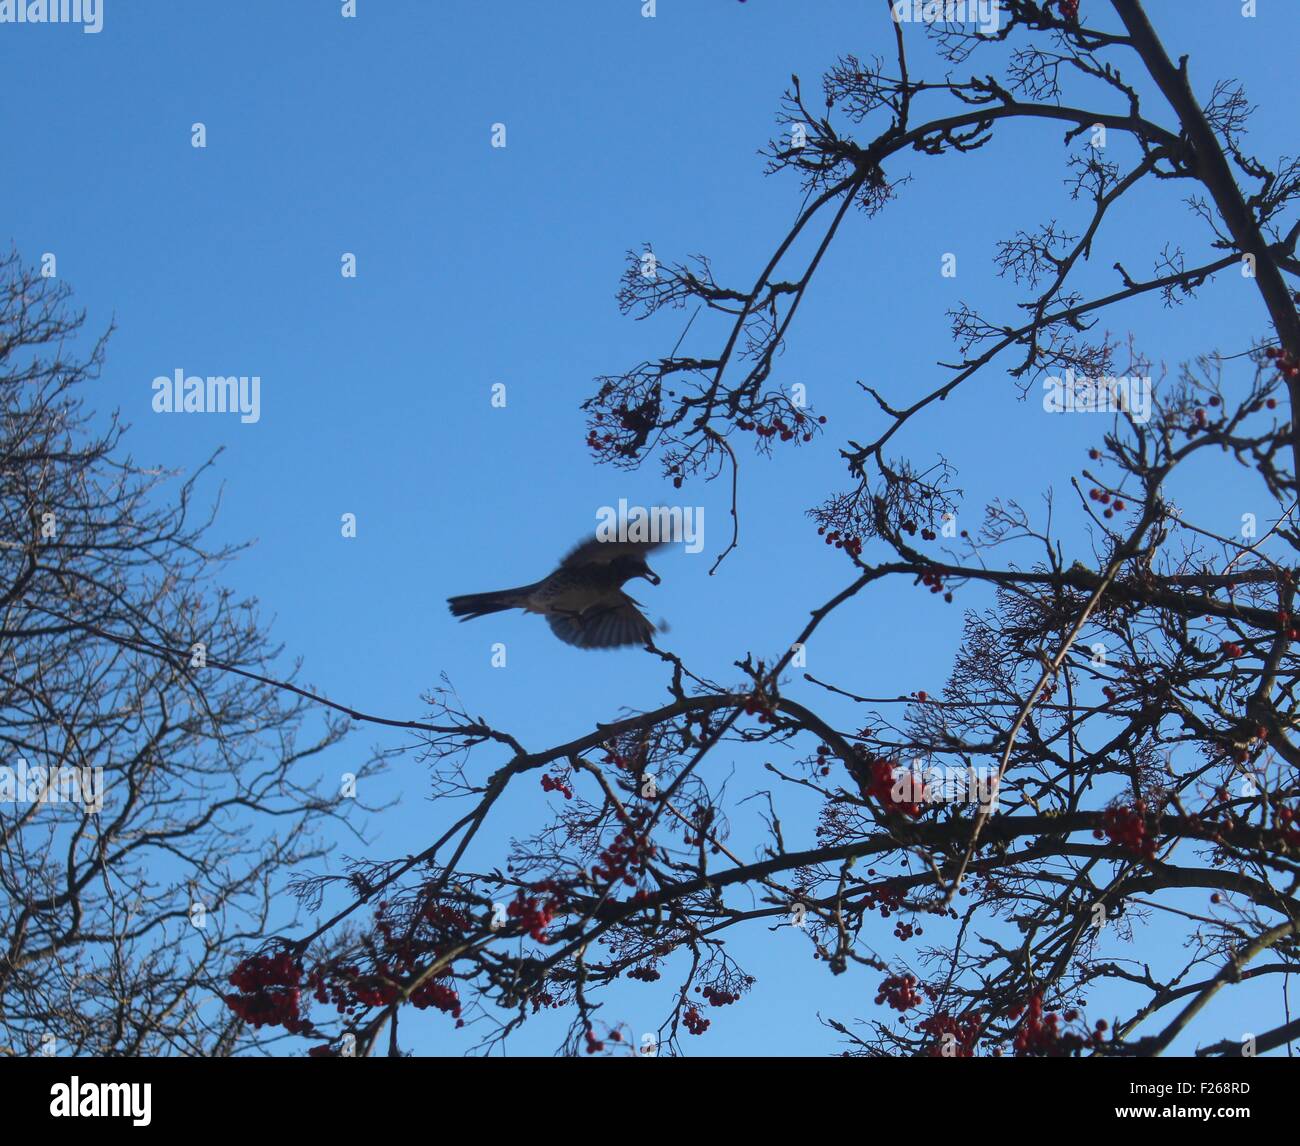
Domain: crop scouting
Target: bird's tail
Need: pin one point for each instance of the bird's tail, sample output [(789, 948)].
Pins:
[(472, 605)]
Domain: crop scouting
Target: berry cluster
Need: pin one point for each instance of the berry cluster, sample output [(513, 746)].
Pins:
[(717, 997), (927, 534), (635, 418), (271, 986), (645, 974), (606, 443), (947, 1031), (935, 583), (899, 992), (540, 999), (624, 859), (435, 994), (1103, 497), (556, 784), (1040, 1035), (351, 991), (534, 912), (880, 784), (823, 762), (629, 761), (851, 544), (884, 897), (1284, 623), (777, 427), (1286, 829), (406, 943), (1128, 827), (1286, 366), (445, 917), (694, 1021), (269, 992), (756, 704)]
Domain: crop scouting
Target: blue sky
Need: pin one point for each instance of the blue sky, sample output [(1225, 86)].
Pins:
[(479, 265)]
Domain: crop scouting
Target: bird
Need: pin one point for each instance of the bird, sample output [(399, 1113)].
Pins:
[(582, 600)]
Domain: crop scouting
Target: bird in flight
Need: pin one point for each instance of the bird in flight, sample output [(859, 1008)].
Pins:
[(583, 600)]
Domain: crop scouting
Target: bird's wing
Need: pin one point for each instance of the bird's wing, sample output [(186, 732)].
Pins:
[(608, 626), (597, 552)]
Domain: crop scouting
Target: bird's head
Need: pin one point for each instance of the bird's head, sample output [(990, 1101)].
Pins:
[(630, 565)]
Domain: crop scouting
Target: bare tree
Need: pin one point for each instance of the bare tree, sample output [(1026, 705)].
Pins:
[(1126, 721), (151, 803)]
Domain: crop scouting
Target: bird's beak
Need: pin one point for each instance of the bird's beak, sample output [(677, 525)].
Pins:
[(651, 576)]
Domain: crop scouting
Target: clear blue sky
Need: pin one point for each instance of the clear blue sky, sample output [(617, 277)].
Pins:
[(479, 265)]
